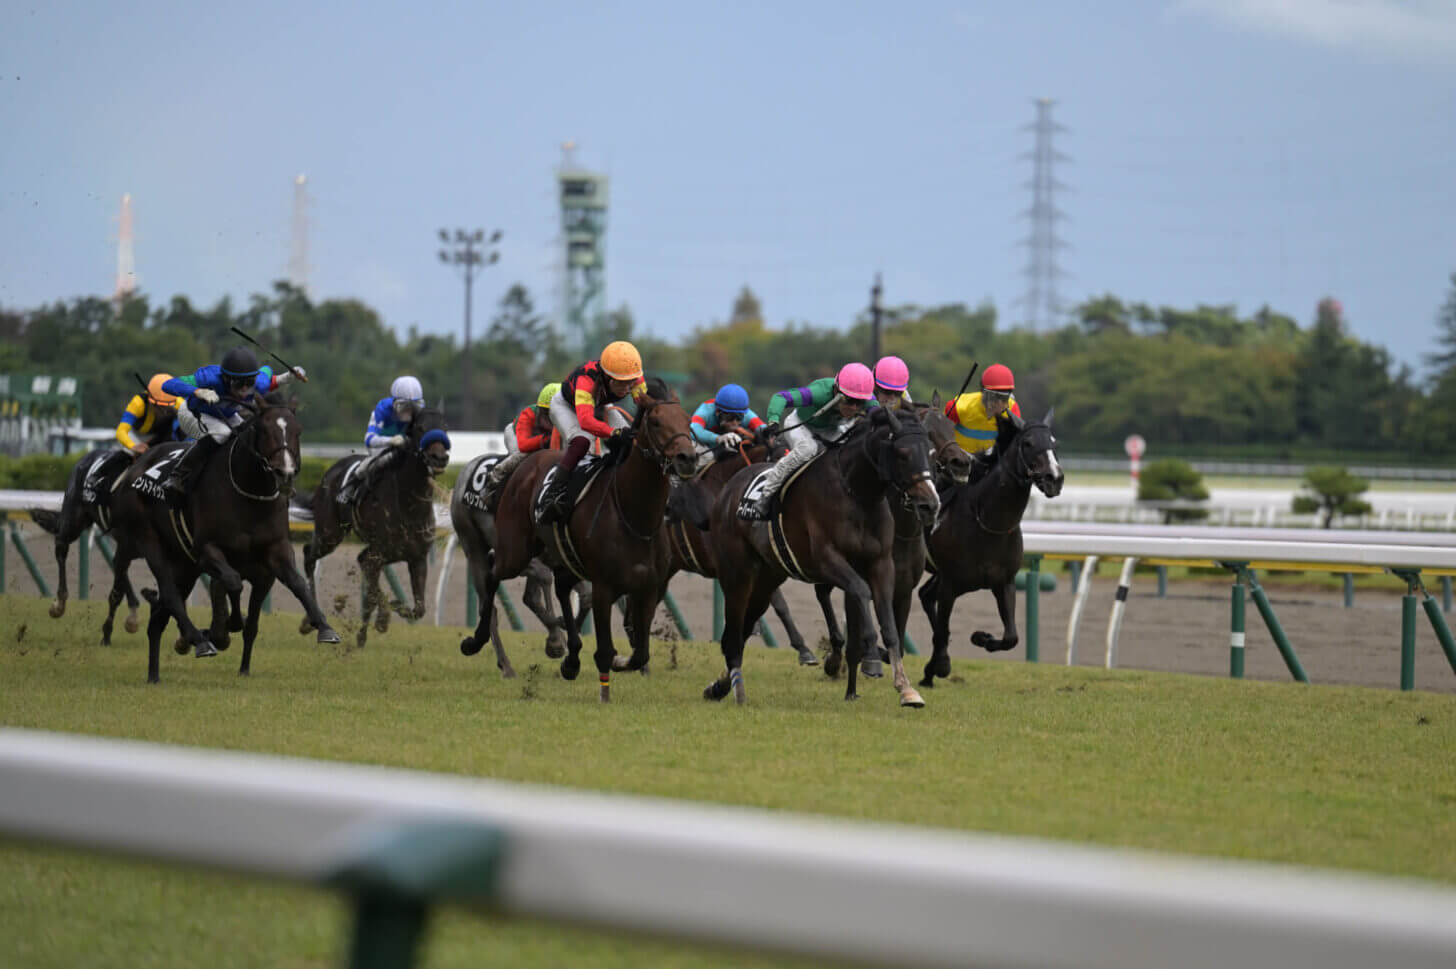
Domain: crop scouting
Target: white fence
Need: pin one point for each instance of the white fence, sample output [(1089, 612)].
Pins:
[(747, 879)]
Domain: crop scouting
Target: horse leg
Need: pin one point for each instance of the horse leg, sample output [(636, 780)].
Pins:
[(419, 570), (602, 602), (823, 592), (929, 591), (502, 661), (884, 588), (217, 628), (538, 600), (796, 638), (570, 666), (736, 597), (63, 549), (120, 589), (641, 606), (250, 625), (157, 619), (173, 601), (280, 563), (310, 559), (834, 567), (369, 566), (943, 604), (1005, 605)]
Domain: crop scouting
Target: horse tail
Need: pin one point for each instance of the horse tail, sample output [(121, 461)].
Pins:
[(47, 519)]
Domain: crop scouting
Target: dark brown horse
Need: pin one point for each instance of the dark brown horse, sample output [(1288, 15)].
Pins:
[(976, 543), (233, 526), (950, 464), (395, 518), (692, 550), (614, 537), (475, 527), (86, 502), (837, 529)]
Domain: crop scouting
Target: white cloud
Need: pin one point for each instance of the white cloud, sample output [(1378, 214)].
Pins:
[(1404, 28)]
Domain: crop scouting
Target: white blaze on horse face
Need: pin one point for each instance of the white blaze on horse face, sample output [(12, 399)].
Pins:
[(1056, 467), (289, 467)]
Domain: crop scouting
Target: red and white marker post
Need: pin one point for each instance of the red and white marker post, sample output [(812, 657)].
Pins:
[(1135, 447)]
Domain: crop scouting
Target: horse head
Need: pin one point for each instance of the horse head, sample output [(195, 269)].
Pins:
[(662, 431), (1027, 450), (275, 440), (429, 439), (950, 458), (901, 451)]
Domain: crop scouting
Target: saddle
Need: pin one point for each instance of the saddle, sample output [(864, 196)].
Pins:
[(583, 476), (756, 486), (474, 492)]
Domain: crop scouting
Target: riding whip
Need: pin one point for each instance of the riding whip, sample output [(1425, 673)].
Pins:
[(974, 366), (292, 369)]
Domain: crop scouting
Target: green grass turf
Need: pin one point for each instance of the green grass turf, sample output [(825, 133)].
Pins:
[(1325, 776)]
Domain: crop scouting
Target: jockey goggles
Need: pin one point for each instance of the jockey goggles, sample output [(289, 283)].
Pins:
[(995, 398)]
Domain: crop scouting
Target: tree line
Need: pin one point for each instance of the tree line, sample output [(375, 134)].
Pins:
[(1206, 381)]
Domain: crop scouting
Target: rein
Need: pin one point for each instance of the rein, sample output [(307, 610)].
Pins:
[(251, 426), (1020, 475)]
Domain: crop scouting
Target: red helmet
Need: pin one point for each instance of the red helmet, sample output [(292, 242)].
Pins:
[(998, 377)]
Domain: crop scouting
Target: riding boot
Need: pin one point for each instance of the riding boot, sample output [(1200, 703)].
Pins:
[(495, 480), (183, 473), (356, 482), (553, 499), (981, 464)]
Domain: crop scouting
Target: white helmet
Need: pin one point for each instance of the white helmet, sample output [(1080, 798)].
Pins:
[(407, 388)]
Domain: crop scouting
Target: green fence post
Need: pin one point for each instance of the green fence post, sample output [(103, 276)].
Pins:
[(396, 588), (400, 871), (1349, 578), (104, 547), (513, 617), (717, 612), (586, 621), (25, 557), (1442, 633), (472, 603), (677, 616), (1236, 628), (268, 601), (2, 556), (1033, 608), (908, 645), (1412, 578), (1162, 582), (83, 566), (1445, 593), (1286, 650)]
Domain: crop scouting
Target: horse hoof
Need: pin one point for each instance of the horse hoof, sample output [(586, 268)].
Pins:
[(180, 647), (911, 699), (305, 627), (884, 655), (938, 666), (58, 609), (223, 642), (204, 649), (327, 636), (716, 690), (235, 623), (740, 695), (131, 625), (807, 658), (871, 668), (927, 682), (570, 668), (381, 622), (851, 697), (620, 663), (469, 647), (507, 671), (831, 665), (984, 640), (555, 650), (606, 694)]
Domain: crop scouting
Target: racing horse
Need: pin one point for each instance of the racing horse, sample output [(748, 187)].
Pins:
[(976, 544), (613, 537), (475, 527), (232, 526), (834, 527), (692, 549), (395, 518), (951, 465), (86, 503)]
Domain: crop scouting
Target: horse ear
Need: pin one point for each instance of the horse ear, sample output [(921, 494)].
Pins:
[(935, 399), (1047, 420)]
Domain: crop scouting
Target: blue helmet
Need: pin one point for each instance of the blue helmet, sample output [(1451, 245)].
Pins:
[(731, 399)]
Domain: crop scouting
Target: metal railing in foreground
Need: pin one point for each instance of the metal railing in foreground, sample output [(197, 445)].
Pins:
[(400, 841)]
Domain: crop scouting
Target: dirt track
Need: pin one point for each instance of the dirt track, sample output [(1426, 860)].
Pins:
[(1186, 632)]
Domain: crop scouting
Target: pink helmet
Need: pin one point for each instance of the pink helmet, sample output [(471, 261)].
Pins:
[(892, 374), (855, 380)]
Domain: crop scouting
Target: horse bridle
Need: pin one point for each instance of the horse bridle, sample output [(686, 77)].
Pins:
[(657, 453), (250, 426), (1022, 473)]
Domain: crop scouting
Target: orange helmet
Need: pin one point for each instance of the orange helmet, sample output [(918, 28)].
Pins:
[(621, 361), (155, 392)]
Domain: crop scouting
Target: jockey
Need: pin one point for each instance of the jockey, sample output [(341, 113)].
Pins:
[(150, 417), (974, 415), (580, 405), (530, 431), (892, 382), (725, 420), (389, 425), (209, 409), (825, 407)]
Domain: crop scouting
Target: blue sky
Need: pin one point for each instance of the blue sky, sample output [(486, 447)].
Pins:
[(1220, 151)]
